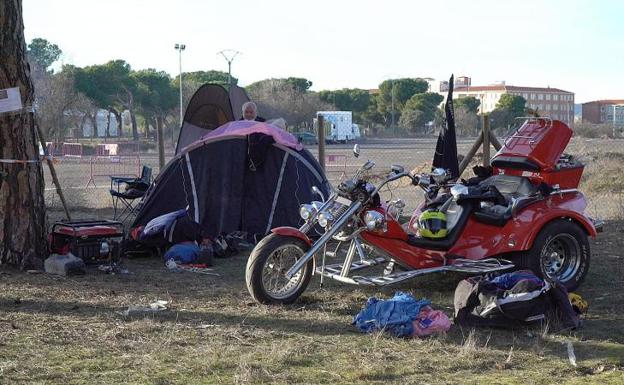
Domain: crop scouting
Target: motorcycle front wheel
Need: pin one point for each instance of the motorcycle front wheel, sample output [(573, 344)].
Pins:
[(267, 266)]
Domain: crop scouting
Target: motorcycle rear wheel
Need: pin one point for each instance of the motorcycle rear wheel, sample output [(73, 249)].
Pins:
[(268, 263), (560, 251)]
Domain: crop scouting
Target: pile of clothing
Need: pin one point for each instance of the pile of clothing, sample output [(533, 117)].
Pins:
[(401, 316), (508, 300)]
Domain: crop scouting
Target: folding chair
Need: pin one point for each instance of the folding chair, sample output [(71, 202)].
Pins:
[(126, 192)]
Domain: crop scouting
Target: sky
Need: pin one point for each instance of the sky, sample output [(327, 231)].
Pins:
[(574, 45)]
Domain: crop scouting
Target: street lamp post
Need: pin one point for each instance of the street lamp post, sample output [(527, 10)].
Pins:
[(180, 48), (229, 55), (392, 97)]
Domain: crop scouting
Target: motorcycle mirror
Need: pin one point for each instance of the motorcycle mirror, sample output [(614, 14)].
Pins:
[(356, 150), (439, 175), (318, 192), (438, 172), (397, 169)]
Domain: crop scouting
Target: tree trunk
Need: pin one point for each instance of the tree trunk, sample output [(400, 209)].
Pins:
[(82, 124), (135, 131), (146, 122), (118, 119), (22, 208), (108, 114), (93, 118)]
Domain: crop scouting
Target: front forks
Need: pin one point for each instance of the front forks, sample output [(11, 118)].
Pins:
[(337, 226)]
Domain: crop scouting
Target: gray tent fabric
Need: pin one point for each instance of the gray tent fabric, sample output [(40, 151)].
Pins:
[(210, 107), (189, 134), (238, 97)]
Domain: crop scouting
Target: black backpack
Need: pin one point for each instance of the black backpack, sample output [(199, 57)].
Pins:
[(510, 300)]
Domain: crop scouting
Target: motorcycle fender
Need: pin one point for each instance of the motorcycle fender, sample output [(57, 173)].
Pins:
[(581, 220), (292, 232)]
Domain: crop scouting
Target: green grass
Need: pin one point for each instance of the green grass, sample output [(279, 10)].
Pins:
[(67, 330)]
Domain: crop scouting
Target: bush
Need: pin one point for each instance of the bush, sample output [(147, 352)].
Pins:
[(590, 130), (88, 149), (147, 146)]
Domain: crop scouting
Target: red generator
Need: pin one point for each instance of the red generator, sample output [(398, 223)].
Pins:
[(92, 241)]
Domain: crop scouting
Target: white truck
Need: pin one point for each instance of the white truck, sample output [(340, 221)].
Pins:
[(339, 126)]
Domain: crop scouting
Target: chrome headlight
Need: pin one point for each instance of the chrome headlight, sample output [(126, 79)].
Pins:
[(325, 218), (374, 220), (306, 212)]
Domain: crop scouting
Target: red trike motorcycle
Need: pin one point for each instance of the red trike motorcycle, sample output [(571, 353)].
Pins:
[(528, 214)]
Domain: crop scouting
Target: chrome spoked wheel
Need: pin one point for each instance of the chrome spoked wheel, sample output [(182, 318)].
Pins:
[(560, 257), (274, 279)]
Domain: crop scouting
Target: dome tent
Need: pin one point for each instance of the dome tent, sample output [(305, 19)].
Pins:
[(211, 106), (245, 176)]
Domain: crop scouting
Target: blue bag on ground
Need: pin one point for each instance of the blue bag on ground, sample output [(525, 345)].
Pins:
[(186, 252), (394, 315)]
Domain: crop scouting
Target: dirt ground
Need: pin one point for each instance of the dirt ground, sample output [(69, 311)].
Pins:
[(70, 330)]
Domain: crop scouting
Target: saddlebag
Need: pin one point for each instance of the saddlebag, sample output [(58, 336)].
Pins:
[(507, 300)]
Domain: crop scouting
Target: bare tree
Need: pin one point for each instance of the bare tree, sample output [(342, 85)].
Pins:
[(276, 98), (22, 207), (466, 122), (56, 99), (412, 120)]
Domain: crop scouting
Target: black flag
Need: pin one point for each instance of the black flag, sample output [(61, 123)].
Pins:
[(446, 149)]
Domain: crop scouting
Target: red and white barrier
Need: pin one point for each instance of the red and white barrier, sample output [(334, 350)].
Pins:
[(73, 150), (107, 149), (335, 163)]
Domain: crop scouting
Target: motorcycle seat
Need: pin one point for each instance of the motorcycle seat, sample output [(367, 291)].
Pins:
[(511, 186), (498, 215)]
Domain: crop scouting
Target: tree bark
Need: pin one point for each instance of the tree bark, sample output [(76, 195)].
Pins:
[(22, 207)]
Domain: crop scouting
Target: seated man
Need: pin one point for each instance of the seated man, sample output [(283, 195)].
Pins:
[(250, 112)]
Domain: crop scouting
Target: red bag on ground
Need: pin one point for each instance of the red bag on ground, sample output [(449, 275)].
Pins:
[(430, 321)]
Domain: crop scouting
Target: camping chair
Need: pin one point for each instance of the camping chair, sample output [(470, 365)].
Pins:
[(126, 191)]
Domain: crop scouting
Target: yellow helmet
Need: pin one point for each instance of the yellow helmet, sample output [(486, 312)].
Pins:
[(432, 224), (578, 303)]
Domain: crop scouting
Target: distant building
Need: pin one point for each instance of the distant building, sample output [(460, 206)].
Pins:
[(439, 86), (462, 81), (609, 111), (550, 102)]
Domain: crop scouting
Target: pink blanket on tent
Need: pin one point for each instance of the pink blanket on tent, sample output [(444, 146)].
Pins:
[(246, 127)]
